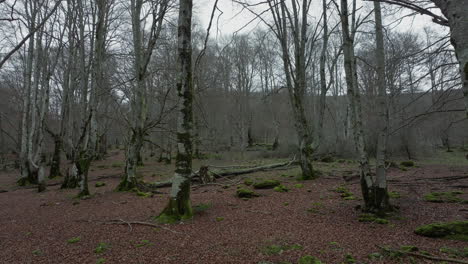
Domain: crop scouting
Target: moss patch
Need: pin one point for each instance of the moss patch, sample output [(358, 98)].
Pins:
[(202, 207), (444, 197), (308, 259), (372, 218), (73, 240), (457, 230), (345, 193), (248, 182), (281, 188), (101, 248), (267, 184), (394, 195), (245, 193)]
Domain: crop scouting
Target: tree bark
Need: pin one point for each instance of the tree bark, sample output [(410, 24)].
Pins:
[(380, 203), (179, 206), (355, 102)]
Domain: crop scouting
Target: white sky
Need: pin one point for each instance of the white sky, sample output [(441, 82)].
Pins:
[(233, 19)]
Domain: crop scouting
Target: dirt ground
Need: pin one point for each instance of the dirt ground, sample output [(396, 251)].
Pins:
[(277, 227)]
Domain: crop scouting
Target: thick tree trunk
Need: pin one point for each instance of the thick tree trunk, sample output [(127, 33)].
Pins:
[(129, 180), (71, 178), (179, 206), (56, 157), (456, 12)]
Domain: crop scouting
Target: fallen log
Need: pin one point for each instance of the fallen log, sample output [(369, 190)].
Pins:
[(201, 175)]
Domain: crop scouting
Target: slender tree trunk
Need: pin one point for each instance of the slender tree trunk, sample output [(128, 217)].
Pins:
[(355, 102), (323, 81), (381, 199), (179, 206)]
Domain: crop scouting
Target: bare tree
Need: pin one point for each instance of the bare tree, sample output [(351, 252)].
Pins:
[(142, 50)]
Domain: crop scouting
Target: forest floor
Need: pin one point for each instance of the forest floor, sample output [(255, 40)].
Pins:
[(276, 227)]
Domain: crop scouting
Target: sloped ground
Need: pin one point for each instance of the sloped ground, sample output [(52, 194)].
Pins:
[(308, 220)]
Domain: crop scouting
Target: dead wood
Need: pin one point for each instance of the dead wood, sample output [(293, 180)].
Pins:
[(401, 252), (221, 174)]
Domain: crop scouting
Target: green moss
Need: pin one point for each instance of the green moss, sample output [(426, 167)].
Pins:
[(409, 248), (407, 163), (443, 197), (102, 166), (143, 243), (457, 230), (299, 185), (245, 193), (345, 193), (455, 252), (167, 219), (375, 256), (394, 195), (101, 261), (73, 240), (219, 219), (202, 207), (37, 252), (372, 218), (144, 194), (349, 259), (99, 184), (267, 184), (309, 260), (281, 188), (102, 247), (248, 182)]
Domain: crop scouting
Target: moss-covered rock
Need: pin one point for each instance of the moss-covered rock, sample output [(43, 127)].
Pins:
[(444, 197), (267, 184), (457, 230), (245, 193)]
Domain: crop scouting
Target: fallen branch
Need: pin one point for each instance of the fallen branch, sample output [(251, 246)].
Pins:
[(129, 224), (422, 256)]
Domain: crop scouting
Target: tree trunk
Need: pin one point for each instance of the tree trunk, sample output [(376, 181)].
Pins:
[(456, 12), (56, 158), (323, 81), (179, 206), (380, 203), (355, 102)]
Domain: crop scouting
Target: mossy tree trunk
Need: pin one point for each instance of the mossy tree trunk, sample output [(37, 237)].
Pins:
[(179, 205)]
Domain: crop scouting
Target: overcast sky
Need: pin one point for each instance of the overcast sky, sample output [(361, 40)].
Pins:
[(233, 18)]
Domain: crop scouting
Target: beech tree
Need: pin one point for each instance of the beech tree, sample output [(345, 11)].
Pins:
[(179, 205), (290, 23), (143, 47)]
